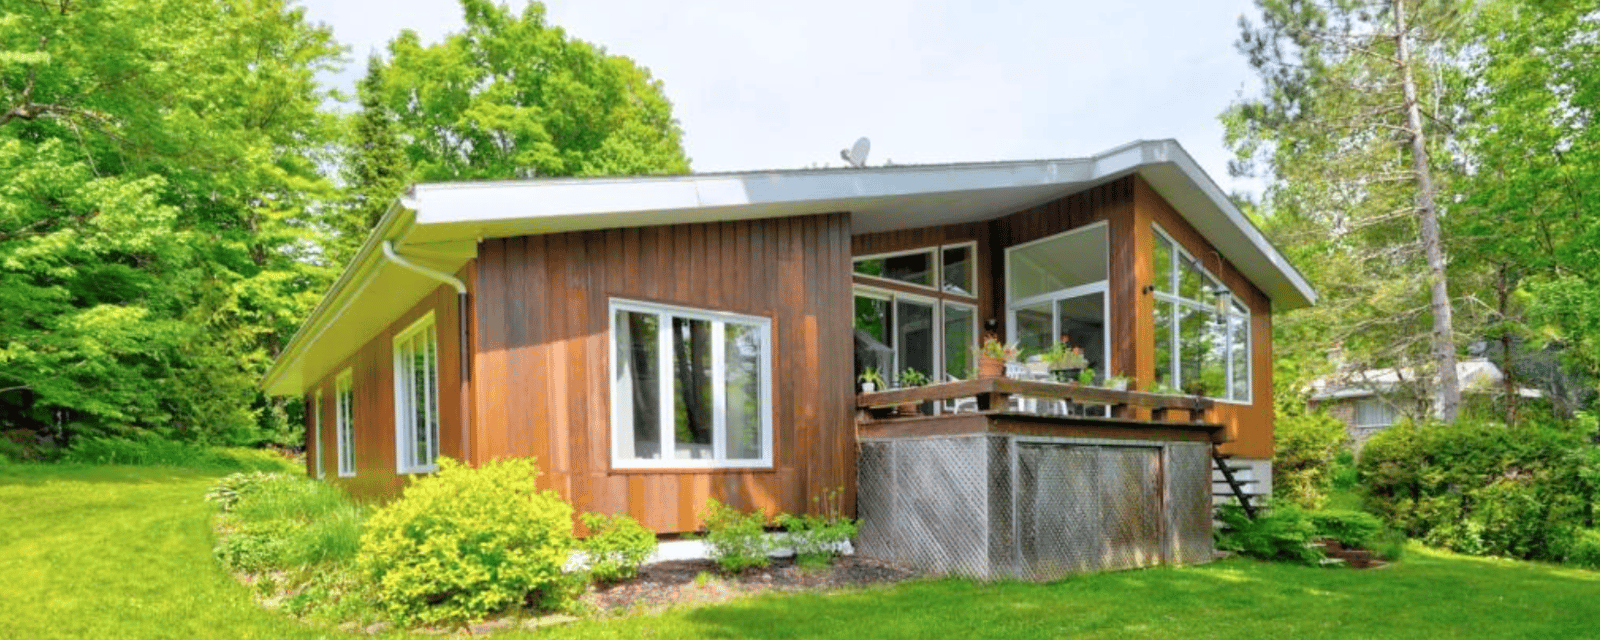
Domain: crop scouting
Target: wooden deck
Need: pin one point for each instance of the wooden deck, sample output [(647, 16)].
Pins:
[(993, 411)]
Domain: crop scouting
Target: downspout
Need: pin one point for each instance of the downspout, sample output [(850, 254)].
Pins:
[(462, 302)]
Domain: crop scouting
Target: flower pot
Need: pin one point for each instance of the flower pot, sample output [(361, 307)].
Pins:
[(991, 367), (1117, 385), (908, 409), (1066, 376), (868, 387)]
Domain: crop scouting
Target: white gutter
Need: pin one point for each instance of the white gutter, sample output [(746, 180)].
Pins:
[(388, 252)]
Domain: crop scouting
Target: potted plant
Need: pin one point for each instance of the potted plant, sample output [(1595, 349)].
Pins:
[(909, 378), (871, 380), (1086, 378), (993, 356), (1118, 382), (1065, 362)]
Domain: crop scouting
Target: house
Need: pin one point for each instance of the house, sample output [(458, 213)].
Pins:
[(1368, 401), (658, 341)]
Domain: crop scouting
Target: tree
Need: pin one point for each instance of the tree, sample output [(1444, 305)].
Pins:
[(514, 97), (158, 219), (1356, 99), (375, 168)]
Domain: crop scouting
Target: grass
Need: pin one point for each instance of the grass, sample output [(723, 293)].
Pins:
[(125, 552)]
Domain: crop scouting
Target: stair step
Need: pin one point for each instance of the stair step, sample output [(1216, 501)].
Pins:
[(1236, 481), (1330, 562), (1234, 468)]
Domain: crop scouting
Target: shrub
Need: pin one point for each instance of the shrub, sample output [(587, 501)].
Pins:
[(1303, 458), (1389, 544), (278, 521), (1584, 548), (1350, 528), (466, 543), (616, 546), (1283, 534), (738, 541), (817, 539)]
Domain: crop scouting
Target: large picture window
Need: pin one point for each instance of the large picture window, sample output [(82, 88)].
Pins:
[(690, 387), (344, 423), (416, 398), (1202, 330)]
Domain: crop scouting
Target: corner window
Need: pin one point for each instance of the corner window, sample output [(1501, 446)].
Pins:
[(1202, 336), (416, 398), (345, 423), (689, 387), (316, 432)]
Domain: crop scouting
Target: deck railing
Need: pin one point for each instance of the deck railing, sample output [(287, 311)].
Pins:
[(995, 394)]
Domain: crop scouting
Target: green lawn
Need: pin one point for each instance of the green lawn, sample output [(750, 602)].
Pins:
[(118, 552)]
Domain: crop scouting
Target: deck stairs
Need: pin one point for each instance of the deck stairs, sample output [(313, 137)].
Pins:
[(1235, 482)]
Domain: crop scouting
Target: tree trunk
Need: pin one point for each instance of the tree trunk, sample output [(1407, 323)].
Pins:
[(1444, 347), (1503, 302)]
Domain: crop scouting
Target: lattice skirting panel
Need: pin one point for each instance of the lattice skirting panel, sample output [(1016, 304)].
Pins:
[(1004, 506)]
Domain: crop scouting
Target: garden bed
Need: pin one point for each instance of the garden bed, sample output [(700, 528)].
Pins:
[(666, 584)]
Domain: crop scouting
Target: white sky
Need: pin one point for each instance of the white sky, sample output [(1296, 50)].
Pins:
[(762, 85)]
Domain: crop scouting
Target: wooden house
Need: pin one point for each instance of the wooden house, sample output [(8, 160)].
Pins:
[(658, 341)]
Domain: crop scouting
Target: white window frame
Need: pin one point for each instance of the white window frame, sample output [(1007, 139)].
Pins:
[(345, 423), (719, 430), (316, 426), (893, 297), (405, 411), (1102, 287), (1229, 313), (936, 266)]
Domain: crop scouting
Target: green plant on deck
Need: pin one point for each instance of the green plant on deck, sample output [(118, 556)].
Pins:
[(1086, 377), (616, 546), (466, 543), (818, 539), (911, 377), (992, 347), (1063, 356), (738, 541)]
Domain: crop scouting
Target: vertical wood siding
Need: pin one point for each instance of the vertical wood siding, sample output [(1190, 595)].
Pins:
[(372, 369), (543, 340)]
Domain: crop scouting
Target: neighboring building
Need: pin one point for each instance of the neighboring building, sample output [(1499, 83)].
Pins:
[(1372, 400), (658, 341)]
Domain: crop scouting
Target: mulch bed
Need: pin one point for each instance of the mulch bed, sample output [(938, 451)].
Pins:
[(665, 584)]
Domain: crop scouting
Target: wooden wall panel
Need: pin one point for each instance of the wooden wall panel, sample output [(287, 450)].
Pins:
[(542, 374), (372, 369), (1249, 425)]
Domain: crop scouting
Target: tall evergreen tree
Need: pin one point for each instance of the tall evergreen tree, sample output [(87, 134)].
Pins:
[(375, 167)]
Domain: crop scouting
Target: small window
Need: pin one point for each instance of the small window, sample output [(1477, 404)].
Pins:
[(345, 423), (316, 432), (416, 398), (1374, 412), (956, 271), (910, 268), (690, 388)]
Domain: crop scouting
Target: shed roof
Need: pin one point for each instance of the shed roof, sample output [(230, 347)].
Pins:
[(440, 224)]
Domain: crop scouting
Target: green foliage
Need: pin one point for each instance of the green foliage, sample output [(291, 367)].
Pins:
[(1305, 446), (616, 546), (1282, 534), (1483, 489), (513, 96), (1584, 549), (146, 449), (738, 541), (1350, 528), (818, 539), (277, 521), (466, 543)]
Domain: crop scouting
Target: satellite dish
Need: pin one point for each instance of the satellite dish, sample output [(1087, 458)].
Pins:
[(856, 155)]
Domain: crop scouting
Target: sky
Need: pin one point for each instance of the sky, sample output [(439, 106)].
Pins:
[(776, 85)]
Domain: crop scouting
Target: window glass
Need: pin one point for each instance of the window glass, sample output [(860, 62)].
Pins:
[(742, 350), (1239, 357), (910, 268), (691, 388), (711, 368), (960, 333), (345, 423), (914, 328), (316, 433), (956, 271), (1374, 412), (1163, 264), (1191, 283), (1035, 328), (1166, 320), (417, 397), (635, 389), (1068, 260), (874, 343)]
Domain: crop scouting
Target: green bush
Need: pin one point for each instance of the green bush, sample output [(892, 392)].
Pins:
[(817, 539), (279, 521), (1282, 534), (1350, 528), (1484, 489), (1303, 457), (616, 546), (738, 541), (1389, 544), (1584, 548), (466, 543), (151, 450)]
